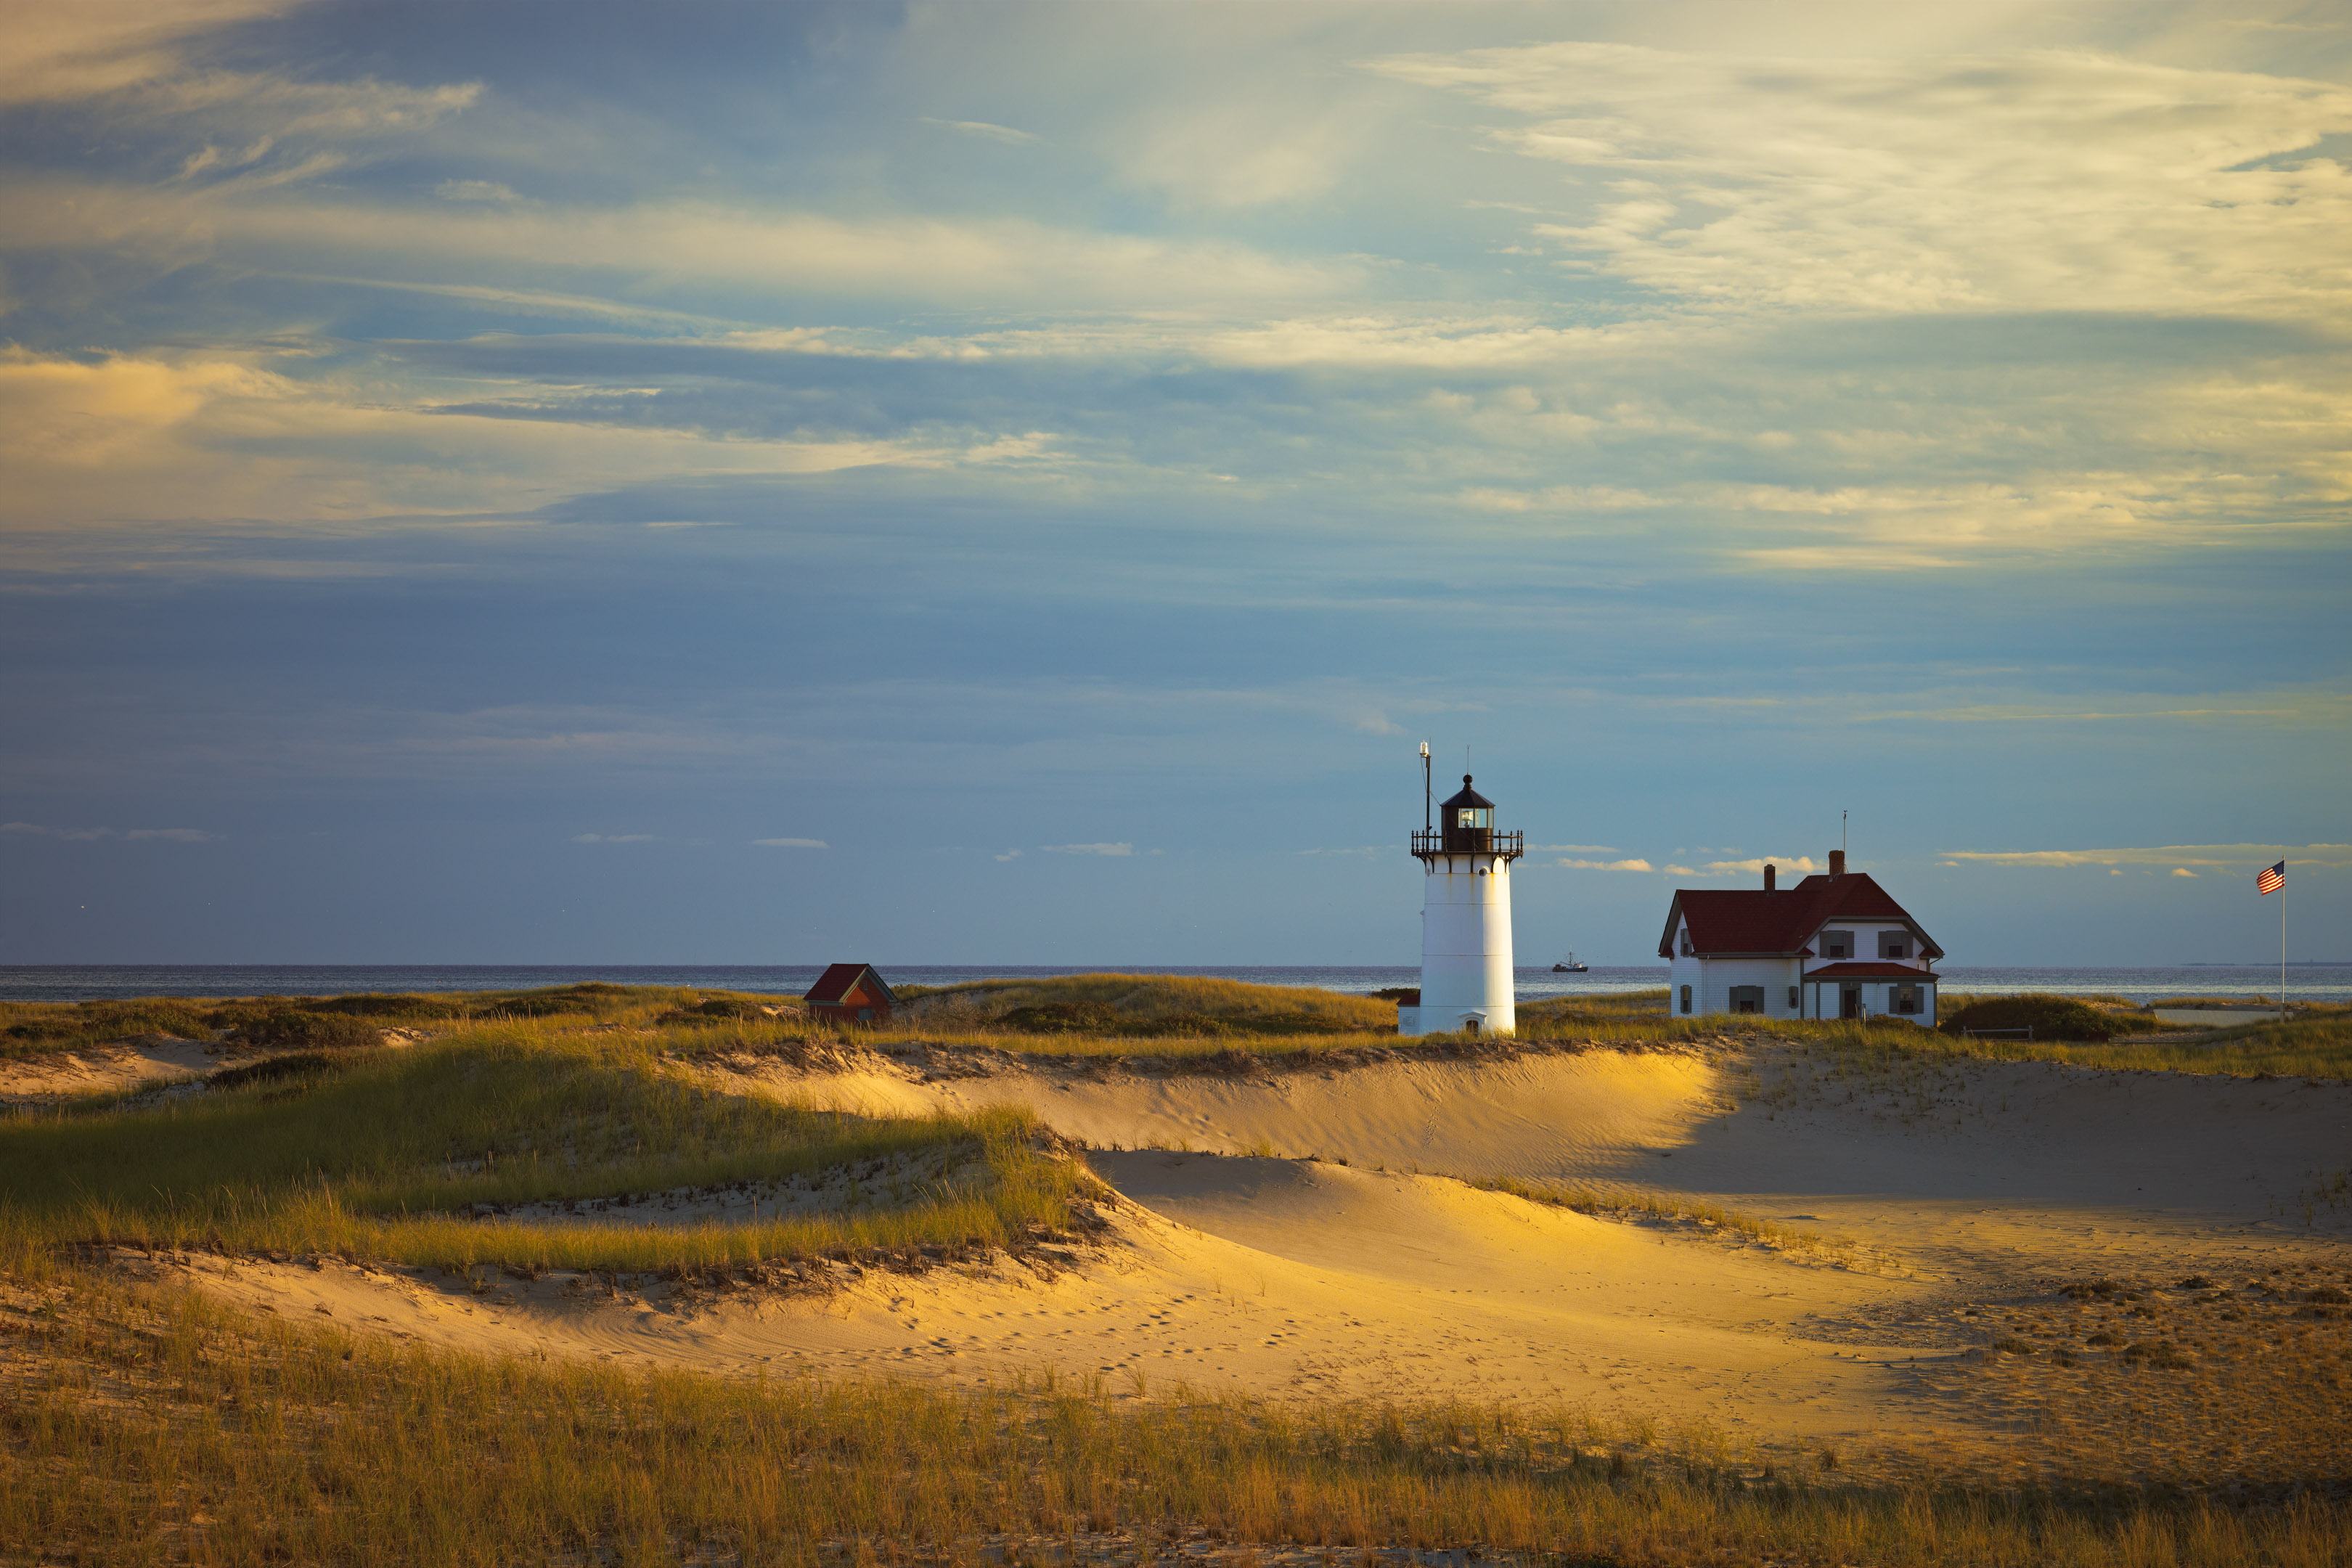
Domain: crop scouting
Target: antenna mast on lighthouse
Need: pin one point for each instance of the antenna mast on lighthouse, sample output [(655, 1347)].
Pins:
[(1424, 786)]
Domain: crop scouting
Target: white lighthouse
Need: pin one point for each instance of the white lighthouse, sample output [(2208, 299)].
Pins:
[(1466, 921)]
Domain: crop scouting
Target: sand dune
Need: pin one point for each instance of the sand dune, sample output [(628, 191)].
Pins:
[(1975, 1190), (115, 1065), (1361, 1285)]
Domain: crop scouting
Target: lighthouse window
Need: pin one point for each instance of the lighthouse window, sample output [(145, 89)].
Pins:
[(1686, 998)]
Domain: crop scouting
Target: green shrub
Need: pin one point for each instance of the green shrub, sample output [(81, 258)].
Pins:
[(90, 1022), (380, 1004), (2050, 1018), (300, 1064), (291, 1027), (1062, 1018)]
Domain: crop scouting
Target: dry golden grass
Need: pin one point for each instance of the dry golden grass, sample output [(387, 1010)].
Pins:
[(1181, 1001), (2209, 1383), (145, 1424), (375, 1160)]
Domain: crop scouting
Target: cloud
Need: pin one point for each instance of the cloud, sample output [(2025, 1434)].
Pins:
[(668, 243), (794, 843), (1680, 871), (2178, 855), (1573, 848), (120, 440), (1009, 855), (85, 835), (984, 130), (475, 191), (614, 837), (59, 53), (1606, 865), (1111, 849), (2028, 180), (1754, 867), (2182, 871)]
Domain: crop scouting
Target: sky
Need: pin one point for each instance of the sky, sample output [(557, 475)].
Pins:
[(1016, 484)]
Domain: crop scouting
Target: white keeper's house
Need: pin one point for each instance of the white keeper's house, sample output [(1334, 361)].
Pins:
[(1835, 946)]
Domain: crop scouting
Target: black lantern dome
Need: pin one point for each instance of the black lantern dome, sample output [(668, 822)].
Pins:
[(1467, 820), (1465, 826)]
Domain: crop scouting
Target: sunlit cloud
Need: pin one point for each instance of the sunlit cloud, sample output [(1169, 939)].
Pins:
[(2036, 179), (2180, 856), (985, 131)]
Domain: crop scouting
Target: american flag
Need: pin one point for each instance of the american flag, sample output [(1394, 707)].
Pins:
[(2271, 878)]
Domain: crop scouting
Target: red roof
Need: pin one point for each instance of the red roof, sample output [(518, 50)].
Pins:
[(1724, 921), (838, 979), (1868, 970)]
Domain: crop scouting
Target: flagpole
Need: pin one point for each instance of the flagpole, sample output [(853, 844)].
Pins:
[(2282, 951)]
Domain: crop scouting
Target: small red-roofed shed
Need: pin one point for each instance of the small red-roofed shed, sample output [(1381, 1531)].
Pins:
[(851, 992)]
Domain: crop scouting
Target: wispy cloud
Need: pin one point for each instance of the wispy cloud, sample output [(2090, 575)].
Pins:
[(1754, 867), (87, 834), (794, 843), (2036, 179), (1109, 849), (475, 191), (614, 837), (984, 131), (1606, 865), (2178, 855)]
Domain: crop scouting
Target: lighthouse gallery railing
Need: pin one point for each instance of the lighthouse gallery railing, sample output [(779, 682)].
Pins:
[(1470, 841)]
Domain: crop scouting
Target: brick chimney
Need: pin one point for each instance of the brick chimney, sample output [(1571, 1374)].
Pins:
[(1837, 862), (1769, 872)]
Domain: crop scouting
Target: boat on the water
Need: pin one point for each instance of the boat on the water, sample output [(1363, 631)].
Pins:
[(1572, 965)]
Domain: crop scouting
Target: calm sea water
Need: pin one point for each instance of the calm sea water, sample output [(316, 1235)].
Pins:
[(82, 981)]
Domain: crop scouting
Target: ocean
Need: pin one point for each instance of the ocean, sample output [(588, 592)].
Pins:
[(87, 981)]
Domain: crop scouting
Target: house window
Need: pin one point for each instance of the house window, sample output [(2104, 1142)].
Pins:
[(1906, 999), (1837, 944), (1686, 998), (865, 1015), (1794, 1006), (1686, 943), (1748, 998), (1893, 945)]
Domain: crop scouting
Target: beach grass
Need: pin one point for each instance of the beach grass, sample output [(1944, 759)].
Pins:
[(2316, 1044), (146, 1424), (379, 1161)]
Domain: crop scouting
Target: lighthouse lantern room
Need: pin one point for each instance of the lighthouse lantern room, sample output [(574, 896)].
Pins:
[(1466, 984)]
